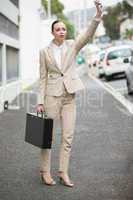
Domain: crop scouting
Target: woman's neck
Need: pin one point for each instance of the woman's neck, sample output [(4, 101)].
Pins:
[(57, 42)]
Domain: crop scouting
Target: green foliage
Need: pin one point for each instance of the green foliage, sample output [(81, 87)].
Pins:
[(56, 6), (129, 33), (115, 16), (57, 9)]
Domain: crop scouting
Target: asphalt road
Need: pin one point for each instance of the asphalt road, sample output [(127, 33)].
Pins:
[(102, 155), (119, 84)]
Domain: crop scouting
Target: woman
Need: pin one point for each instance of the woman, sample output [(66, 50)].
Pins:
[(58, 84)]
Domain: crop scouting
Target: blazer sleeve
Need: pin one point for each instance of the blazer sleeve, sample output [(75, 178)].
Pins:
[(83, 38), (43, 77)]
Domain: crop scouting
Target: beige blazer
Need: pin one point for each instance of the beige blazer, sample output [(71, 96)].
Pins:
[(52, 78)]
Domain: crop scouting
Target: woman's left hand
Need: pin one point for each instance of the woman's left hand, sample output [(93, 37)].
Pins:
[(98, 9)]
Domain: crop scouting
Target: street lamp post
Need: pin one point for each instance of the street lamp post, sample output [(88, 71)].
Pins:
[(49, 9)]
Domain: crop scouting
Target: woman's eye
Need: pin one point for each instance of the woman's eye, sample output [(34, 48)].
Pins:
[(58, 29)]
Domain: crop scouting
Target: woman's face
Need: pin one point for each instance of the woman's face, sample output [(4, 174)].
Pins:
[(59, 31)]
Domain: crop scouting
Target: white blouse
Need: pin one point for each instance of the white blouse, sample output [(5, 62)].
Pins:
[(57, 51)]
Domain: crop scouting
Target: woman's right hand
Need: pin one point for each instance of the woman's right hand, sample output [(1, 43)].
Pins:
[(40, 108)]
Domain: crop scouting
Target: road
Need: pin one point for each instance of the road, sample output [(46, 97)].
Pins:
[(116, 87), (101, 163), (119, 84)]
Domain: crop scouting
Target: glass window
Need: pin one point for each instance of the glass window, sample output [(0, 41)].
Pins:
[(113, 55), (15, 2), (119, 54), (12, 63), (9, 28), (0, 64)]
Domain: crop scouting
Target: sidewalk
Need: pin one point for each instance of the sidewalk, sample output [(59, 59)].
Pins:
[(102, 154)]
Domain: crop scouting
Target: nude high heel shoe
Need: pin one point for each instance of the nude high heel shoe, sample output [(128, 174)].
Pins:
[(65, 180), (50, 183)]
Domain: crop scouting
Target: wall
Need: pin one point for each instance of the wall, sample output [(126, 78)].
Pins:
[(8, 90), (30, 40)]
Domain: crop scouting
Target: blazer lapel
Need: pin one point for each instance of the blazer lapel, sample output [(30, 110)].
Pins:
[(51, 56), (65, 55)]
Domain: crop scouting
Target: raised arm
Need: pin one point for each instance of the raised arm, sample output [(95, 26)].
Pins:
[(84, 37)]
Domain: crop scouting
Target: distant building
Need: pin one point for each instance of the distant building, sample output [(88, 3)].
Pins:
[(80, 19), (24, 30)]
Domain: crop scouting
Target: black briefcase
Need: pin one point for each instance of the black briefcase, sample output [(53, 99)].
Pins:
[(38, 130)]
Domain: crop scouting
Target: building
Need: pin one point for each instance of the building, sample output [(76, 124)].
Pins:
[(30, 41), (10, 73), (24, 30), (80, 18)]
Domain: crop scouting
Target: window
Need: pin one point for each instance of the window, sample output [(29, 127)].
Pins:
[(15, 2), (0, 64), (12, 61), (113, 55), (9, 28), (119, 54)]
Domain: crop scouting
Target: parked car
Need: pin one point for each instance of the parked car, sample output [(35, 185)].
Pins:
[(99, 64), (92, 52), (115, 61), (129, 75), (103, 41)]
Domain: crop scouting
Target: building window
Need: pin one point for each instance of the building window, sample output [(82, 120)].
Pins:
[(15, 2), (9, 28), (0, 64), (12, 64)]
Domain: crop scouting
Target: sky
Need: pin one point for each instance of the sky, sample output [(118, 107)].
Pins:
[(78, 4)]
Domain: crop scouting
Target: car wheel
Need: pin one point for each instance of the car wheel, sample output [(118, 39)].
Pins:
[(108, 78), (100, 75), (130, 91)]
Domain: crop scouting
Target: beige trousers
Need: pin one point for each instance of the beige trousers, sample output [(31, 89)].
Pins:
[(64, 108)]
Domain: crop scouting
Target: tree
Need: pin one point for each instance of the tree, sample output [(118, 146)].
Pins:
[(56, 6), (129, 34), (57, 9), (115, 16)]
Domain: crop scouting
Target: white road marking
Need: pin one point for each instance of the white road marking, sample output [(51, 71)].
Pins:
[(126, 103)]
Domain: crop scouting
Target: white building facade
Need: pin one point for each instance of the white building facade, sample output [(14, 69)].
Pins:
[(30, 40), (24, 30), (10, 82)]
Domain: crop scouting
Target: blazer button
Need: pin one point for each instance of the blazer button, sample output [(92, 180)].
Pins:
[(61, 74)]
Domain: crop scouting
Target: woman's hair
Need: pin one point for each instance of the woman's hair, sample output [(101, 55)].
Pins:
[(55, 22)]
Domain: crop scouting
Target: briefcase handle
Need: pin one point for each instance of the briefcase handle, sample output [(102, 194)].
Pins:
[(43, 114)]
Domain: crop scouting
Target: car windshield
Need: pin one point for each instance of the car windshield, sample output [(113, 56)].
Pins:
[(119, 54)]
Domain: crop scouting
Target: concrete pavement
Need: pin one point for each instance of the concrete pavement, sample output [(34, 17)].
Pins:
[(102, 154)]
